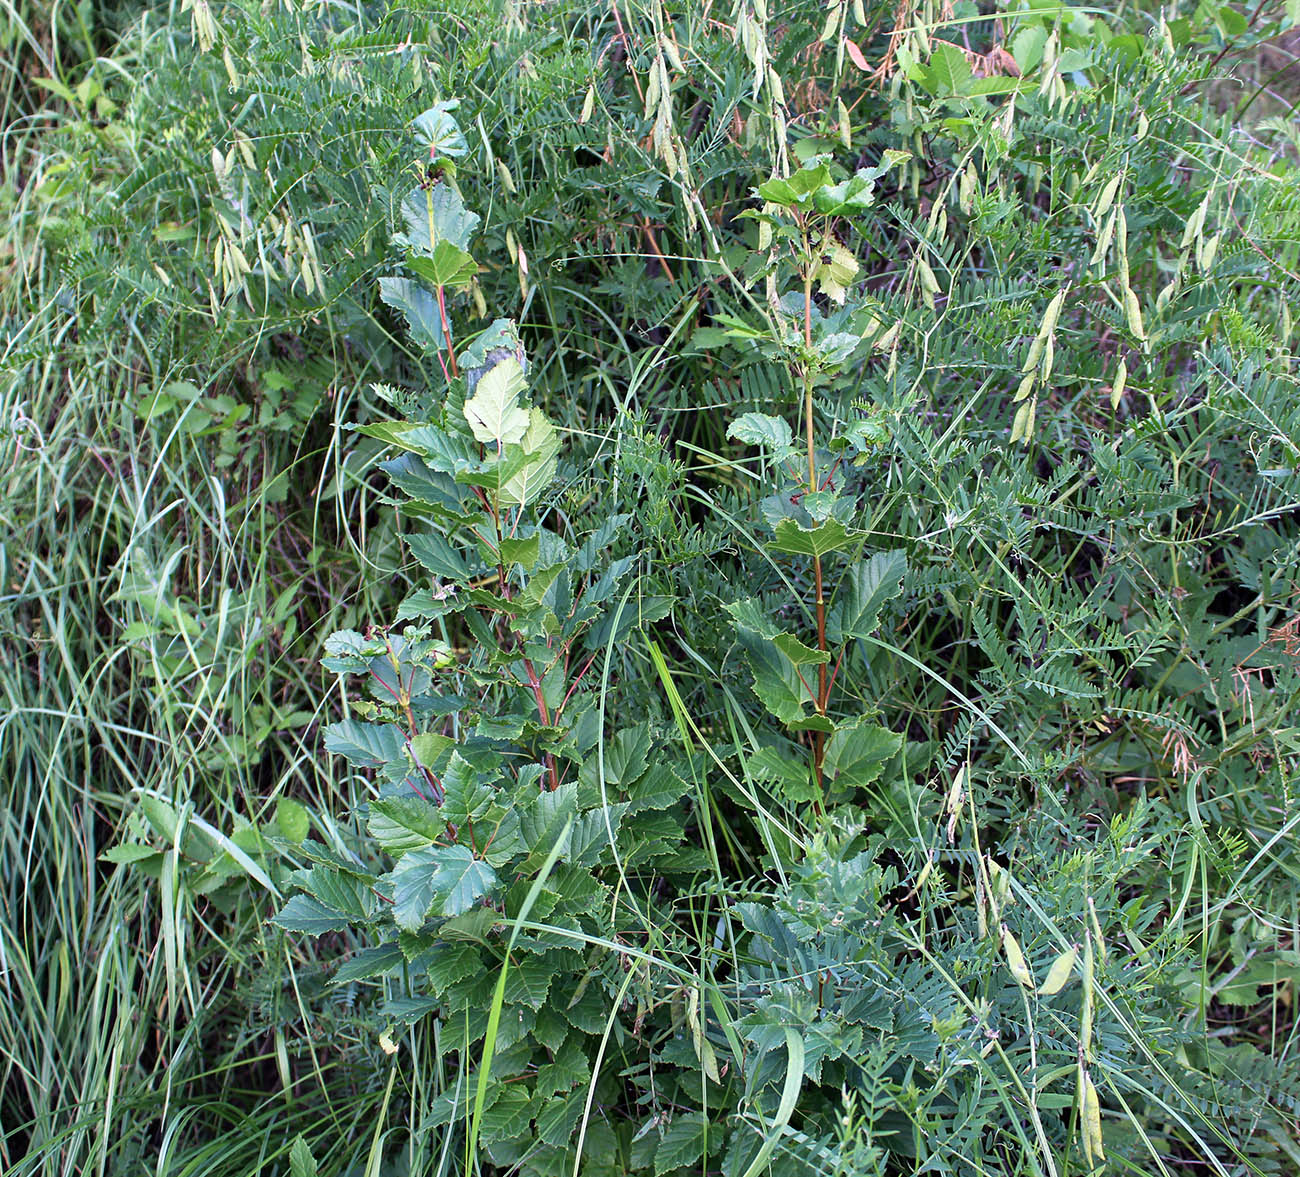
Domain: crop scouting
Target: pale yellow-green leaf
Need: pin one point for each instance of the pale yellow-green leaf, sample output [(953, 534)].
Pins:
[(542, 445), (836, 271), (493, 411)]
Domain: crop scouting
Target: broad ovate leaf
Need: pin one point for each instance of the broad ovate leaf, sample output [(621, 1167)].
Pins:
[(493, 412), (541, 446), (437, 128), (761, 429)]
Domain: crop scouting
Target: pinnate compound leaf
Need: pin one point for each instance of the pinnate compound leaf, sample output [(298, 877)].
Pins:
[(493, 411)]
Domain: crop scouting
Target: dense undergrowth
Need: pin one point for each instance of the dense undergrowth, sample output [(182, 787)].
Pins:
[(649, 588)]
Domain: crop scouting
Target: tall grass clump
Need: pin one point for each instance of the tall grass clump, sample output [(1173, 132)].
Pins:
[(649, 588)]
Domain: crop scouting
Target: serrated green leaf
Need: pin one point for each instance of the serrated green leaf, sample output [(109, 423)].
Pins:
[(869, 585), (365, 745), (493, 411), (856, 753), (401, 824), (305, 914), (540, 446), (948, 72), (301, 1162), (292, 818), (439, 130), (760, 429), (682, 1144), (447, 265), (829, 536), (437, 214), (419, 306), (452, 963), (438, 880), (374, 961), (438, 556), (509, 1114)]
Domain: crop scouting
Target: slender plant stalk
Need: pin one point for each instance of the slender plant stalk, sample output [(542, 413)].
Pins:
[(823, 690)]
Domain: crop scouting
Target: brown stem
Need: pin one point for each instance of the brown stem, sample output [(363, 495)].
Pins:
[(446, 331), (654, 246), (535, 684)]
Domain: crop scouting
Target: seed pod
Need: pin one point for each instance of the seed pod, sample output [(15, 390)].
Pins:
[(1133, 310), (1117, 388), (1096, 928), (890, 337), (845, 125), (1015, 958), (1085, 1012), (1205, 256), (952, 807), (1104, 239), (929, 282), (1090, 1119), (1121, 238), (231, 72), (1053, 313), (652, 89), (966, 188), (1019, 423), (588, 105), (1107, 197), (1059, 974), (1035, 353), (1026, 387), (831, 25), (675, 58), (778, 90), (1195, 223), (859, 13), (507, 180)]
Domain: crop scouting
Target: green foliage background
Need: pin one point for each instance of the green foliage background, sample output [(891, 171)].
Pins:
[(1065, 627)]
